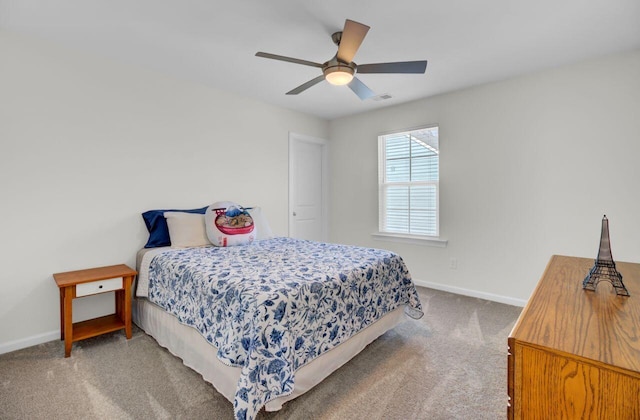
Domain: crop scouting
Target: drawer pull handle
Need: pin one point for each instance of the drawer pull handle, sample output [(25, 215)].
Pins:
[(100, 287)]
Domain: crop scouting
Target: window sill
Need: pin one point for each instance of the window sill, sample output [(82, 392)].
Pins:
[(410, 239)]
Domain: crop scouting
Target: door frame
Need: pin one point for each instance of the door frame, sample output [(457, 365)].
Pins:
[(303, 138)]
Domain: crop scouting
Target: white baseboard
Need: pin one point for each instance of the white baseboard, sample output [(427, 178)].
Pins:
[(34, 340), (55, 335), (473, 293)]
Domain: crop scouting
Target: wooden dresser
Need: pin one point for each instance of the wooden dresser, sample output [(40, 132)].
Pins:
[(575, 354)]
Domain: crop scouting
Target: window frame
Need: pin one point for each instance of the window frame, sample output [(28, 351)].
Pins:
[(382, 234)]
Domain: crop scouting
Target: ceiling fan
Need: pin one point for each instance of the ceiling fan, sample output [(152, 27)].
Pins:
[(341, 69)]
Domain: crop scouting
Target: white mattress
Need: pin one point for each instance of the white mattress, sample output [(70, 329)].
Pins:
[(198, 354)]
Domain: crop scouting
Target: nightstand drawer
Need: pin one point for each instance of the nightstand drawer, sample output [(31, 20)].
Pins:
[(100, 286)]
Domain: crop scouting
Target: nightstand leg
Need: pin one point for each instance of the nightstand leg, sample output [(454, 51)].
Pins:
[(68, 321), (62, 313), (119, 302), (127, 306)]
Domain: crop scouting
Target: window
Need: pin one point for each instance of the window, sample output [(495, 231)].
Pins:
[(409, 182)]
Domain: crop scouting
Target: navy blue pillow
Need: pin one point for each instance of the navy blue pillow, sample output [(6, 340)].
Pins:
[(157, 226)]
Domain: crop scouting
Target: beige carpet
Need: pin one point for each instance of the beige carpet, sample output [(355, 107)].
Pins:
[(451, 364)]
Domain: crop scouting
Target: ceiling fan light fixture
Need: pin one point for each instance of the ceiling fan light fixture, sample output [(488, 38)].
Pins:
[(339, 75)]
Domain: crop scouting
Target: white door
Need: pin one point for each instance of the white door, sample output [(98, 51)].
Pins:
[(308, 186)]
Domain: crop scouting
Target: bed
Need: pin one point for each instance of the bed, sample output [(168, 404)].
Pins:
[(266, 322)]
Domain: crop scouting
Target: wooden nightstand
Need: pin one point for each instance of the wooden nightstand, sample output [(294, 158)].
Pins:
[(75, 284)]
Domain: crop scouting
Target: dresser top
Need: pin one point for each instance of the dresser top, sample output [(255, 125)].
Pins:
[(600, 326)]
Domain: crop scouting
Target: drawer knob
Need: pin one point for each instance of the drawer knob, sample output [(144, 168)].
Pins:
[(100, 287)]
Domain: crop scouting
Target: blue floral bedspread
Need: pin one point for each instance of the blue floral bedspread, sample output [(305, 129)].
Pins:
[(275, 305)]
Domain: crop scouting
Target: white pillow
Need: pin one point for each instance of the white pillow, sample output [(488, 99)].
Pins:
[(228, 224), (186, 229), (264, 231)]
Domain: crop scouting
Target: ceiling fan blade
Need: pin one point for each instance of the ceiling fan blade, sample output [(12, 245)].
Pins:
[(414, 67), (352, 36), (288, 59), (361, 89), (306, 85)]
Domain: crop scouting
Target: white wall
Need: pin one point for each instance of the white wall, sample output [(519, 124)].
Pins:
[(86, 145), (528, 168)]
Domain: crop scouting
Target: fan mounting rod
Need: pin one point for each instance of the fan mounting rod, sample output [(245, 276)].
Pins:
[(336, 37)]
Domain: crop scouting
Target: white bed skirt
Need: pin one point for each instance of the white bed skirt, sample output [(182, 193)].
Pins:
[(198, 354)]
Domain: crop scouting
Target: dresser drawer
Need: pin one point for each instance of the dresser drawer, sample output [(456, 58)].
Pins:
[(100, 286)]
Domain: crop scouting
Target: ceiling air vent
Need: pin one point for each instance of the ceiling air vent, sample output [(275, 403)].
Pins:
[(382, 97)]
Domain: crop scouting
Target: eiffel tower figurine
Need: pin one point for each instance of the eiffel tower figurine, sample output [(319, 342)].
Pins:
[(605, 267)]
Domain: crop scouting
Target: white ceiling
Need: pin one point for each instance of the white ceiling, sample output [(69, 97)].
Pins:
[(466, 42)]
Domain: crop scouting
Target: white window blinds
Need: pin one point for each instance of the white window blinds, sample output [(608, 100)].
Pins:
[(409, 182)]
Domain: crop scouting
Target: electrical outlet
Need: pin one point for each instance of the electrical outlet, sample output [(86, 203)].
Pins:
[(453, 263)]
